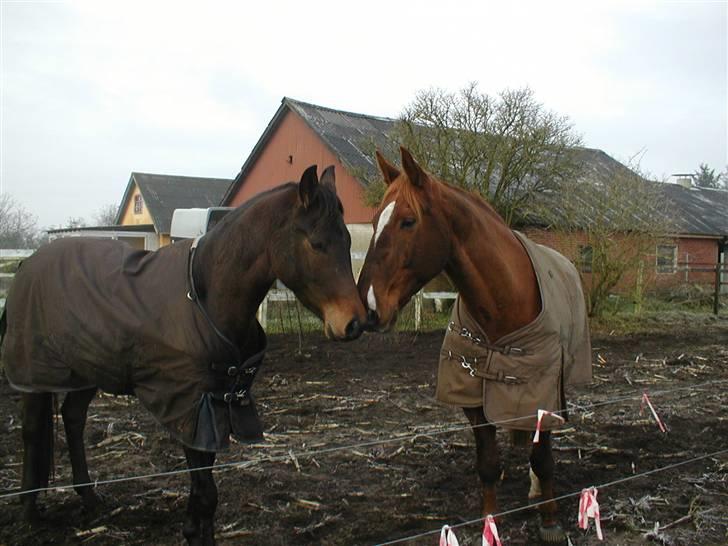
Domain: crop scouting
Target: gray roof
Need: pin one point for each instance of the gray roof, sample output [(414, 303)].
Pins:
[(347, 134), (352, 137), (698, 211), (134, 228), (162, 193), (344, 133)]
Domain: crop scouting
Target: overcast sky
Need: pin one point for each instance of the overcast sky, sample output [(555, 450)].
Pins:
[(92, 91)]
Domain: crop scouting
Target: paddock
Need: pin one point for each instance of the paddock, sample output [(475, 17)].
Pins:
[(357, 451)]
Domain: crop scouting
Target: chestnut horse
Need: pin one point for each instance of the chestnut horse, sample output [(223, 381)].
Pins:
[(175, 327), (423, 227)]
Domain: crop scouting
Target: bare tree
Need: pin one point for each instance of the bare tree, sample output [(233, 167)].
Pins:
[(18, 227), (619, 221), (507, 147), (73, 222), (106, 215)]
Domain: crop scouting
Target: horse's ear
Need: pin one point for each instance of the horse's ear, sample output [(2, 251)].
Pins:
[(415, 173), (389, 171), (308, 185), (328, 178)]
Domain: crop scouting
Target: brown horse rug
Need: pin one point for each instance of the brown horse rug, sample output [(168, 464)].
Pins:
[(85, 313), (526, 370)]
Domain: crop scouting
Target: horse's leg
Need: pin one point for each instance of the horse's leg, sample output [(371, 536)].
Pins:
[(199, 526), (488, 459), (542, 489), (74, 411), (38, 449)]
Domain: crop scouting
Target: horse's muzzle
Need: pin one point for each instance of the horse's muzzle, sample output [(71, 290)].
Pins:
[(372, 323), (353, 330)]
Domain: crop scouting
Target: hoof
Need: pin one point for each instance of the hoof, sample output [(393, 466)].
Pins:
[(534, 500), (91, 500), (553, 534)]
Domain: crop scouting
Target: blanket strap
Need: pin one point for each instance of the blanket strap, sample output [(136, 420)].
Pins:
[(243, 377), (194, 297), (242, 373), (503, 349), (472, 367)]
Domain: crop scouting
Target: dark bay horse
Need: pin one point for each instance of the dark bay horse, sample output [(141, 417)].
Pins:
[(175, 327), (423, 227)]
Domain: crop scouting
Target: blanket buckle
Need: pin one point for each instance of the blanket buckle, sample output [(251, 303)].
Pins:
[(230, 397), (464, 362)]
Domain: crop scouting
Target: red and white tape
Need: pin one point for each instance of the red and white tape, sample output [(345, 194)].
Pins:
[(646, 400), (541, 413), (490, 533), (447, 537), (589, 508)]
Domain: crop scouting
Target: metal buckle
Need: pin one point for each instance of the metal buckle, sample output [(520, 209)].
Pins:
[(229, 397), (232, 370)]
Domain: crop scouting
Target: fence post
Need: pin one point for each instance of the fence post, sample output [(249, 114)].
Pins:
[(418, 311), (716, 293), (263, 312)]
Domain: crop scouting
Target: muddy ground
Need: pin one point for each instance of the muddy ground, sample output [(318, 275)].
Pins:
[(381, 387)]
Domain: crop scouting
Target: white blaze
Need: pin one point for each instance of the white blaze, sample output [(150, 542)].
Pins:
[(371, 298), (384, 219)]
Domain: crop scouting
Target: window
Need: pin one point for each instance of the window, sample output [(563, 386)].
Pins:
[(666, 258), (138, 204), (585, 258)]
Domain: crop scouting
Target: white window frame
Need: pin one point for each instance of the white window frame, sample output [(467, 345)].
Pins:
[(138, 199), (663, 269)]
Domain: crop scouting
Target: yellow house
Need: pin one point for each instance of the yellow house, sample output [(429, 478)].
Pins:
[(145, 213), (150, 199)]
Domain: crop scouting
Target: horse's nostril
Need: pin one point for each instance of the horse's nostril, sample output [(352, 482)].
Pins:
[(372, 317), (353, 329)]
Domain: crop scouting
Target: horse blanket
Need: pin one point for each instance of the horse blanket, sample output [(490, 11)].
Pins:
[(526, 370), (85, 313)]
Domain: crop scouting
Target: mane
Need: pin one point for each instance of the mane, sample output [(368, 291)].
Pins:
[(328, 202), (325, 200), (410, 194), (474, 197), (407, 192)]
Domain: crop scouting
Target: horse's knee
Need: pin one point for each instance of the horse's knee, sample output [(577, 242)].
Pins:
[(208, 498), (75, 407), (203, 498), (37, 416), (488, 466)]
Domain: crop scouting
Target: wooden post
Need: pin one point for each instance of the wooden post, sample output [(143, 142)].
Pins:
[(418, 311), (263, 313), (716, 294)]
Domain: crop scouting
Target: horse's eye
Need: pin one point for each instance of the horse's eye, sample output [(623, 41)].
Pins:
[(318, 246), (407, 223)]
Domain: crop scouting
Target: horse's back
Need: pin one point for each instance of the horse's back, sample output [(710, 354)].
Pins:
[(72, 305), (561, 289)]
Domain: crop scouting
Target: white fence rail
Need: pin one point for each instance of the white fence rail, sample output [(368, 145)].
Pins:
[(15, 253), (278, 294)]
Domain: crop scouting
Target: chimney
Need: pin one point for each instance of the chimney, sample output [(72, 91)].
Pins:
[(685, 180)]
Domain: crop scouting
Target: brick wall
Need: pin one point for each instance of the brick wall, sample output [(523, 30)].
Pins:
[(697, 252)]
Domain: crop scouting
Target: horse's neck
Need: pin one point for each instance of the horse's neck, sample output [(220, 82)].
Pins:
[(234, 269), (490, 268)]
